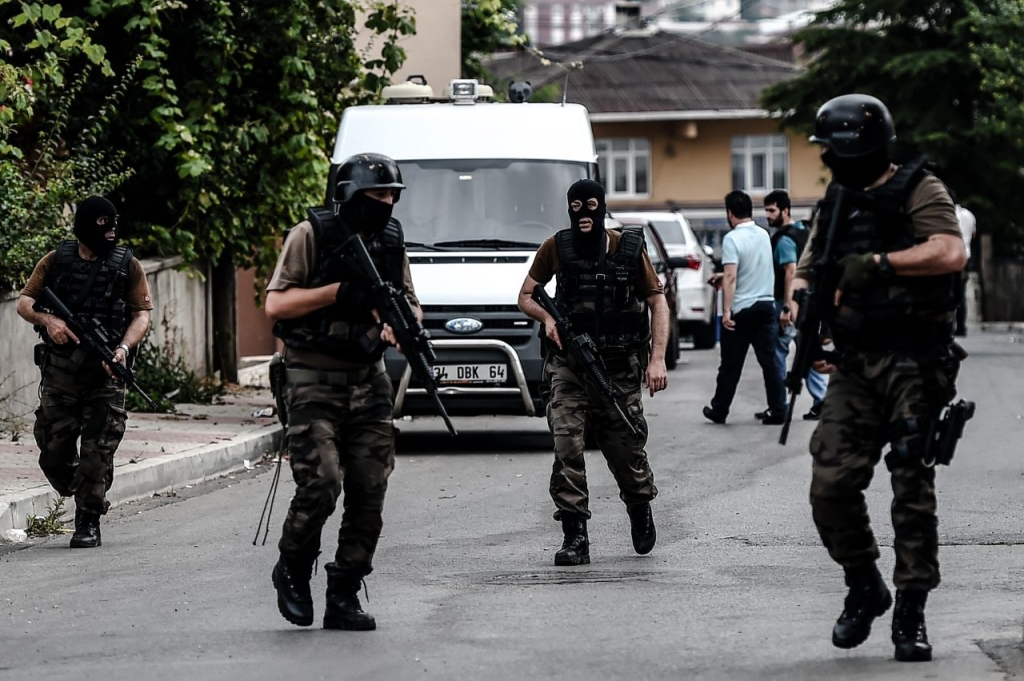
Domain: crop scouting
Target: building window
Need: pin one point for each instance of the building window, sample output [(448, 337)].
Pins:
[(760, 163), (625, 167), (557, 28)]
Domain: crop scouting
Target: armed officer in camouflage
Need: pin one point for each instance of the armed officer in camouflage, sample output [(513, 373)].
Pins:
[(339, 399), (78, 397), (889, 298), (606, 286)]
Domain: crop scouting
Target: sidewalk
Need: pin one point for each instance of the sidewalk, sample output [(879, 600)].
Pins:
[(159, 452)]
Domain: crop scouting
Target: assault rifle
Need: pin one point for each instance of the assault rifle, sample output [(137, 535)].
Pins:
[(395, 311), (583, 349), (808, 318), (93, 338)]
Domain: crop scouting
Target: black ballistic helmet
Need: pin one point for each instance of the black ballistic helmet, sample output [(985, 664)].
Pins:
[(367, 171), (853, 125)]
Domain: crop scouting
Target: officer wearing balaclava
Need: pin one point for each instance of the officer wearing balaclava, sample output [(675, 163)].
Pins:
[(885, 281), (607, 289), (339, 400), (103, 284), (586, 215)]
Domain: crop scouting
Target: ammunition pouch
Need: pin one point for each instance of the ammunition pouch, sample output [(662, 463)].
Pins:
[(39, 354), (278, 383)]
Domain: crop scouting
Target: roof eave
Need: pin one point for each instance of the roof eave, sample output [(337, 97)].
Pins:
[(696, 115)]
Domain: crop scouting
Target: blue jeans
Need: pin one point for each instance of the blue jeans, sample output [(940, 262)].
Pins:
[(816, 383)]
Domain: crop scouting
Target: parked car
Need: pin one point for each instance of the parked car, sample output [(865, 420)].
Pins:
[(695, 311), (668, 269)]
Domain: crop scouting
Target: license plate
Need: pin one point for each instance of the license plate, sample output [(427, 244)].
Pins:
[(471, 373)]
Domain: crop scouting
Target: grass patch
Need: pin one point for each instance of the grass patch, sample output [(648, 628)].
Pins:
[(50, 524)]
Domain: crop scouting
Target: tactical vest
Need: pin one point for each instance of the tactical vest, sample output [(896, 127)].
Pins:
[(799, 237), (899, 311), (104, 298), (603, 298), (345, 331)]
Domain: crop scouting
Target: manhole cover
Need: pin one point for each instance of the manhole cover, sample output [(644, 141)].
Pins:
[(582, 576)]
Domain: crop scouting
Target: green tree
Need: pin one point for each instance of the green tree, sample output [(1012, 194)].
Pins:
[(952, 73), (228, 124), (42, 169), (488, 26)]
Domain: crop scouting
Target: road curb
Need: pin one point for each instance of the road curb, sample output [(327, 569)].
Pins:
[(1006, 327), (151, 476)]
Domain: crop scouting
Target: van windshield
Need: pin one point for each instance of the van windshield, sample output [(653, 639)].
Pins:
[(502, 204)]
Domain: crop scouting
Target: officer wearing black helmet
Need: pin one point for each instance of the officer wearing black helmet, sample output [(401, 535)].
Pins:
[(338, 397), (889, 299)]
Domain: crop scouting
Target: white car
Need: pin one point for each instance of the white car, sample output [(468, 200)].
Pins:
[(695, 309)]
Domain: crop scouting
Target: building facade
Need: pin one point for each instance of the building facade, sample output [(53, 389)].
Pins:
[(678, 124)]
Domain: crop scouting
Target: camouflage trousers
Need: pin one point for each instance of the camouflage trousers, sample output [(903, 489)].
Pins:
[(340, 438), (575, 402), (874, 399), (79, 403)]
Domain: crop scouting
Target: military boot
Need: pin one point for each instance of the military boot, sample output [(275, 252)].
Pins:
[(343, 608), (868, 598), (576, 547), (291, 578), (87, 530), (641, 524), (908, 630)]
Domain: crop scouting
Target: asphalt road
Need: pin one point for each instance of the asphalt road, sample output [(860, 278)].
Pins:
[(738, 586)]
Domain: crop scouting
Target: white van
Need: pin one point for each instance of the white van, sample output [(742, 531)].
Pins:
[(486, 185)]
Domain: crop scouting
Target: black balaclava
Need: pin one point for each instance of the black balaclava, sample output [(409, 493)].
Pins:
[(582, 190), (857, 172), (365, 213), (88, 229)]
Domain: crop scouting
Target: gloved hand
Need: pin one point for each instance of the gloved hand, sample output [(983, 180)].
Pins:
[(858, 271), (352, 295)]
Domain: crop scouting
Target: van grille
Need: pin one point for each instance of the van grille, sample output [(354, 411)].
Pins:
[(450, 259), (500, 322)]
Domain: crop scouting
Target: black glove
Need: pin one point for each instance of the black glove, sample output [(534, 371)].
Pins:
[(859, 270), (352, 295)]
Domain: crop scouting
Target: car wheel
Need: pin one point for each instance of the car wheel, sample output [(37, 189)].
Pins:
[(704, 336), (672, 351)]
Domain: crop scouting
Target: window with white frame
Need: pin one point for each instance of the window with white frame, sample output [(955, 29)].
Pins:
[(625, 166), (760, 163)]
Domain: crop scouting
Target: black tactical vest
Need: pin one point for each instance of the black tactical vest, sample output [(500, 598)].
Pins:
[(799, 237), (604, 298), (344, 331), (105, 298), (897, 312)]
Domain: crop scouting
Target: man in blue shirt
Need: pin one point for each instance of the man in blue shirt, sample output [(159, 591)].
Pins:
[(748, 316), (787, 244)]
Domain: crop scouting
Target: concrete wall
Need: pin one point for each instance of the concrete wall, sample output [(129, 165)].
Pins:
[(180, 316), (434, 51), (698, 170)]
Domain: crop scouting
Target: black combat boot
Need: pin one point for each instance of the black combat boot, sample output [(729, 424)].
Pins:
[(87, 530), (343, 608), (291, 578), (641, 524), (868, 598), (908, 630), (576, 547)]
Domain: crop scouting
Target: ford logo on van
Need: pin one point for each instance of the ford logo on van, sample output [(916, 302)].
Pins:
[(464, 325)]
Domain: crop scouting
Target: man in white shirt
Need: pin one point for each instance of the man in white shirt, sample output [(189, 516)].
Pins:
[(748, 316), (968, 225)]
